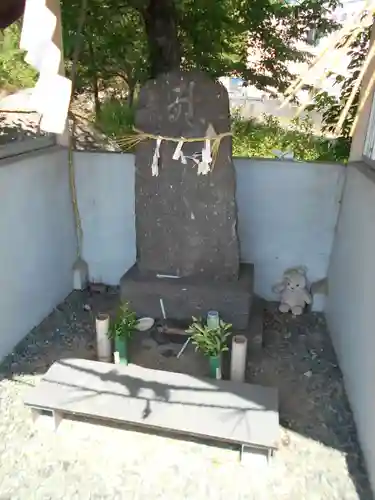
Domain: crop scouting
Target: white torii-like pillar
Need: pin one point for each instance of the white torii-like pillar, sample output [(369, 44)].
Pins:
[(55, 7), (41, 38)]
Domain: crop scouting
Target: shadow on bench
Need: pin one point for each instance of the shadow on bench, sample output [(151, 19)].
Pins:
[(167, 402)]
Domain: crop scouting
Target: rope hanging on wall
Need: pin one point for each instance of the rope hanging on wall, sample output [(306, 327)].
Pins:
[(77, 49)]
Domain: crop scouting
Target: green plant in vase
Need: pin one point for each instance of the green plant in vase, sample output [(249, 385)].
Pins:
[(121, 331), (211, 342)]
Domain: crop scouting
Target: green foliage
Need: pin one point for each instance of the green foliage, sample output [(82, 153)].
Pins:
[(251, 138), (114, 44), (14, 72), (257, 139), (210, 341), (124, 325), (215, 36), (116, 118), (331, 106)]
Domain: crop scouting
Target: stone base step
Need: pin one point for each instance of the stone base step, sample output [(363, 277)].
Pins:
[(187, 297)]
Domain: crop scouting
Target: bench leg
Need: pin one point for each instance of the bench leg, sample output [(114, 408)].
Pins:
[(35, 414), (254, 457), (48, 419), (57, 419)]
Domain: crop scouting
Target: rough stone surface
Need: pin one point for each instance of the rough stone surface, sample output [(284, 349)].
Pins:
[(186, 224), (187, 297)]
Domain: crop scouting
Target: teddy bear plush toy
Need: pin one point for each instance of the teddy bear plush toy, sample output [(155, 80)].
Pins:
[(293, 291)]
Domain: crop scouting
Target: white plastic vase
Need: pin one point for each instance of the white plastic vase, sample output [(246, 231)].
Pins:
[(103, 343), (238, 358)]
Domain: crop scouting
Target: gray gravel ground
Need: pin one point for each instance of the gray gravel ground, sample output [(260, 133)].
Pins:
[(318, 457)]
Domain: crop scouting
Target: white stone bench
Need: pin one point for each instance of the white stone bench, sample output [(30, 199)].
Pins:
[(229, 412)]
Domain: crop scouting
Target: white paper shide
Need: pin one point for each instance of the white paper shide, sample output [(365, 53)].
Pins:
[(51, 95), (202, 160)]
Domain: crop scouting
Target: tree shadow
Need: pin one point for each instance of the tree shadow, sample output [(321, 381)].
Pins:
[(185, 405), (20, 133), (18, 126)]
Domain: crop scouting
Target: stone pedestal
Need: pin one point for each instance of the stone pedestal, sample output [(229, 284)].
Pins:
[(187, 297), (186, 224)]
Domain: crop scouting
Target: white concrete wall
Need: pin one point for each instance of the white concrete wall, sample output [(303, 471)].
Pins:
[(287, 214), (105, 188), (351, 303), (37, 248)]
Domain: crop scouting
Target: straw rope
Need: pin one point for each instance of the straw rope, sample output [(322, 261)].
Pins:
[(131, 140), (72, 182)]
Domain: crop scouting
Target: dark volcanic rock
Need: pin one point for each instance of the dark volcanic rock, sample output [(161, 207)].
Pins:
[(186, 224)]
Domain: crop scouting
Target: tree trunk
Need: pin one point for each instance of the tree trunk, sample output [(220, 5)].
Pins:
[(95, 87), (10, 11), (94, 79), (160, 18), (131, 91)]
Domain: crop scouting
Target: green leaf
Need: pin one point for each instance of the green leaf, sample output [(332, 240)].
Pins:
[(210, 341), (214, 36)]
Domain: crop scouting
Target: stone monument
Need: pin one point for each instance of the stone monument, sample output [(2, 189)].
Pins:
[(186, 216)]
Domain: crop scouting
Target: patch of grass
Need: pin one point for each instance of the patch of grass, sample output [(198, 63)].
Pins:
[(251, 138), (116, 118)]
